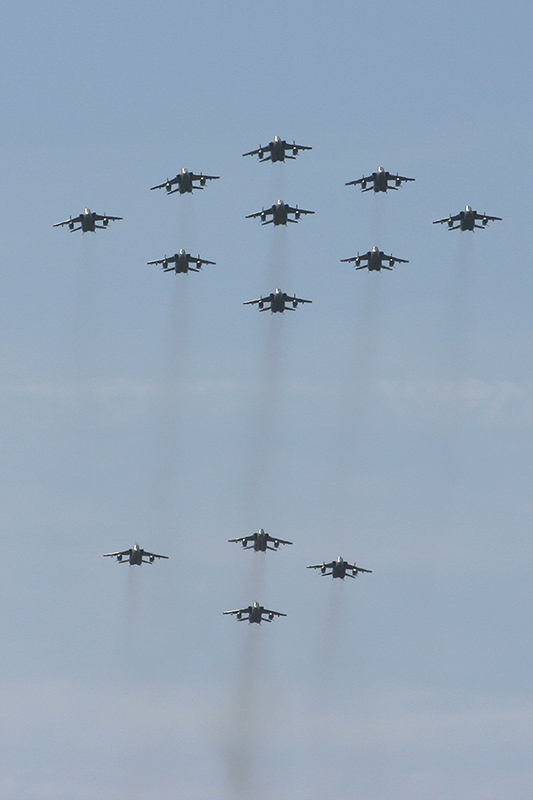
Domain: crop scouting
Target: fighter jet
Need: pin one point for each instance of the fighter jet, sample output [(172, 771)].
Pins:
[(466, 219), (254, 613), (339, 568), (185, 182), (181, 262), (380, 181), (277, 150), (136, 555), (259, 541), (87, 220), (374, 259), (280, 213), (278, 302)]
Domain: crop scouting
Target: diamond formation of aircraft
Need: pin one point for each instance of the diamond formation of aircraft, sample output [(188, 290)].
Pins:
[(379, 181), (135, 555), (467, 220), (374, 260), (277, 150), (259, 541), (87, 221), (278, 302), (184, 182), (280, 213), (255, 613), (339, 568), (181, 262)]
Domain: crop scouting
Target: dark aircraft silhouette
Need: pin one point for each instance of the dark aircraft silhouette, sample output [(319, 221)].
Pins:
[(339, 568), (467, 220), (136, 555), (277, 150), (280, 214), (181, 262), (87, 221), (254, 613), (278, 302), (374, 259), (259, 541), (184, 181), (380, 181)]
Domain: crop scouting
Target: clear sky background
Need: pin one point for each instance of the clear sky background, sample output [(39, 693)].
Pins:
[(389, 422)]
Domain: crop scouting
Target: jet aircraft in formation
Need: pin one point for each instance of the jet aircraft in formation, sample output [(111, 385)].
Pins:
[(467, 220), (374, 259), (255, 613), (278, 300), (185, 182), (181, 262), (379, 181), (135, 555), (277, 150), (87, 221), (280, 213), (259, 541), (339, 568)]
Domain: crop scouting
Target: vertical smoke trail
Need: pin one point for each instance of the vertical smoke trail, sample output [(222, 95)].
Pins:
[(128, 651), (242, 744)]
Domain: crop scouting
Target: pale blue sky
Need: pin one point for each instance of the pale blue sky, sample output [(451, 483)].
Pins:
[(389, 422)]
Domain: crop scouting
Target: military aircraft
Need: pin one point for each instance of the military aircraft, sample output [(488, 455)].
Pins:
[(339, 568), (259, 541), (280, 213), (254, 613), (136, 555), (380, 181), (181, 261), (278, 302), (185, 182), (466, 219), (374, 259), (87, 220), (277, 150)]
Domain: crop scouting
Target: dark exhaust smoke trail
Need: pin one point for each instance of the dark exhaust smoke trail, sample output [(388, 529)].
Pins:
[(172, 404), (243, 742), (264, 437), (277, 261), (331, 637), (362, 355)]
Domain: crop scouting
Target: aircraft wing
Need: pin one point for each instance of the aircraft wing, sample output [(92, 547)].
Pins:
[(453, 218), (360, 569), (165, 183), (275, 539), (291, 210), (260, 213), (119, 553), (394, 258), (195, 177), (67, 221), (152, 555), (252, 302), (401, 178), (485, 216), (297, 147), (238, 611), (356, 258), (361, 180), (201, 261), (241, 539), (256, 152), (297, 300), (272, 613), (319, 566), (169, 260), (99, 217)]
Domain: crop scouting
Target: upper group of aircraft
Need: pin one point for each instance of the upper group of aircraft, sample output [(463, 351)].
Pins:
[(280, 213), (260, 541)]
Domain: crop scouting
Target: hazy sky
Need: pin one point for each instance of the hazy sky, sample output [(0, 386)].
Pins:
[(389, 422)]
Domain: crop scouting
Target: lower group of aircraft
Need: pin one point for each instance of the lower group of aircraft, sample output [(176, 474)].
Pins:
[(260, 541)]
